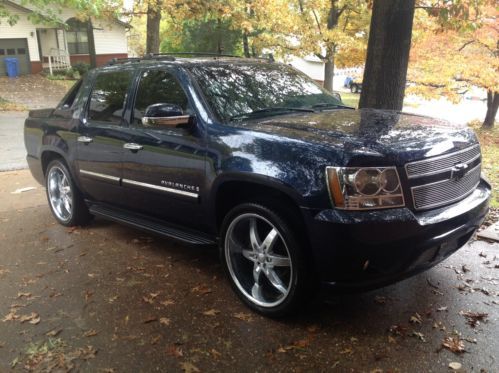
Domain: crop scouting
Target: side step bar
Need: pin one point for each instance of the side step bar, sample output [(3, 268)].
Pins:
[(184, 235)]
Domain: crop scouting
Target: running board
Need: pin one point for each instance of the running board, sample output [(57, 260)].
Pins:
[(184, 235)]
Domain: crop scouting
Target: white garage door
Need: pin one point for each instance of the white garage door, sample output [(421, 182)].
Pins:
[(17, 48)]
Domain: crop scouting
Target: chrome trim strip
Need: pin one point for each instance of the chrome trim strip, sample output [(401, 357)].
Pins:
[(99, 175), (426, 207), (431, 159), (161, 188)]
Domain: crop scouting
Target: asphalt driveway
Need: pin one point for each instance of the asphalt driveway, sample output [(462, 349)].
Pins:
[(12, 151), (107, 298)]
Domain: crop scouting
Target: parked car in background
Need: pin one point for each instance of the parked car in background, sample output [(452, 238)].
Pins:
[(298, 190)]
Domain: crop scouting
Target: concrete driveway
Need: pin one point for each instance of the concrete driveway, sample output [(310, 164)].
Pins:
[(106, 298), (12, 151)]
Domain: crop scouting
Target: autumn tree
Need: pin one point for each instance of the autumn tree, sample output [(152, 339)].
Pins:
[(456, 49), (333, 30), (385, 73)]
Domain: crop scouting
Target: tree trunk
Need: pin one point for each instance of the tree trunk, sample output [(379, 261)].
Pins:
[(246, 48), (91, 43), (329, 72), (388, 50), (153, 21), (492, 106)]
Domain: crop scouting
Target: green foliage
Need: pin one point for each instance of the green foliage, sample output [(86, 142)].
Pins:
[(48, 12), (203, 36), (81, 67)]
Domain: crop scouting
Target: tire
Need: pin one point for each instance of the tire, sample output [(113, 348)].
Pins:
[(263, 260), (64, 198)]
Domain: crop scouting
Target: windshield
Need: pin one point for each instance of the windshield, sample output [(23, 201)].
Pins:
[(236, 91)]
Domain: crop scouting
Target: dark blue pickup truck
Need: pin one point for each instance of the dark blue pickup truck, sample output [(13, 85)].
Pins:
[(297, 189)]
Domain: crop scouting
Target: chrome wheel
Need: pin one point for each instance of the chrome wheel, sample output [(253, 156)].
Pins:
[(260, 268), (60, 193)]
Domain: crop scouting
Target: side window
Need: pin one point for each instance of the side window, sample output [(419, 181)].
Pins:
[(69, 99), (107, 100), (158, 86)]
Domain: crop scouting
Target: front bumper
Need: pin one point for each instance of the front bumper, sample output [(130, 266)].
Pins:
[(369, 249)]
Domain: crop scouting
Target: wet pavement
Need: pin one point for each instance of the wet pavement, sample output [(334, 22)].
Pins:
[(107, 298)]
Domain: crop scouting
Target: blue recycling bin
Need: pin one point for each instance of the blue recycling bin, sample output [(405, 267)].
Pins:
[(12, 67)]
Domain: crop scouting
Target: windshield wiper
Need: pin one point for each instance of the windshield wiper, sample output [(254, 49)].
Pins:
[(271, 110), (326, 105)]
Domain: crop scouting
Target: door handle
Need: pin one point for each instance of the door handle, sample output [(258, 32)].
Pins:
[(133, 146), (85, 139)]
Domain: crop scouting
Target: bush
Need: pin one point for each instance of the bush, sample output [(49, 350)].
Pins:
[(81, 67)]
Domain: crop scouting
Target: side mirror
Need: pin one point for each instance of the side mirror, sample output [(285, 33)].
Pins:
[(161, 114)]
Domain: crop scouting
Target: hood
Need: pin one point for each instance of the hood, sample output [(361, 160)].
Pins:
[(369, 132)]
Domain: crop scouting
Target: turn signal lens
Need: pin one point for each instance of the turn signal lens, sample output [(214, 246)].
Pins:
[(364, 188)]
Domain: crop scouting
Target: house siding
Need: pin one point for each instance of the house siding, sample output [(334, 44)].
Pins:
[(110, 38), (21, 30)]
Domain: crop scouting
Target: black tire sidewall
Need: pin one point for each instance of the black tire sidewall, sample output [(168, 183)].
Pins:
[(296, 292)]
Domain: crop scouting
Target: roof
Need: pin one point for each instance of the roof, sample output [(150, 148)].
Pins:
[(18, 6)]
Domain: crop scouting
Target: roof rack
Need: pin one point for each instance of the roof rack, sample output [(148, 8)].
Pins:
[(169, 56)]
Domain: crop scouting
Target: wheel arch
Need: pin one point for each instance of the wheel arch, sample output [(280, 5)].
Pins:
[(231, 190)]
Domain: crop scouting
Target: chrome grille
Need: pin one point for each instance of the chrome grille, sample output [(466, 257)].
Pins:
[(445, 191), (442, 163)]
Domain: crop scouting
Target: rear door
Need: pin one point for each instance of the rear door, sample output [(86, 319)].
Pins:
[(101, 137), (163, 177)]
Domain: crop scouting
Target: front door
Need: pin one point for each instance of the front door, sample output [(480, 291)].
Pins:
[(164, 167), (101, 138)]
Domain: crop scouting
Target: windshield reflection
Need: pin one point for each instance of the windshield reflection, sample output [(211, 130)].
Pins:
[(234, 90)]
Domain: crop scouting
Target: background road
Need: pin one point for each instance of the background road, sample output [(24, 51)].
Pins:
[(12, 151), (107, 298)]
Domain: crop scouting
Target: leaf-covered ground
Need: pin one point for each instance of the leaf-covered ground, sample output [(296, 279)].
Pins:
[(107, 298)]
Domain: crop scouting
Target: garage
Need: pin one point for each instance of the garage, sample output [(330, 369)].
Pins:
[(17, 48)]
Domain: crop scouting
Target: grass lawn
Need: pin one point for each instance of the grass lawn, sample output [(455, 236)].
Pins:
[(10, 106), (350, 99), (489, 142)]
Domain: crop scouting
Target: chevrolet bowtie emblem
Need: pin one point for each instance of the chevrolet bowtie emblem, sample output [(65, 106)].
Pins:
[(458, 171)]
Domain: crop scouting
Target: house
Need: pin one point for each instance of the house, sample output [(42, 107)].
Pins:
[(39, 46), (314, 68)]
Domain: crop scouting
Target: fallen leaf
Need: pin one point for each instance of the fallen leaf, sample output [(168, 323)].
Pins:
[(398, 330), (419, 335), (455, 365), (454, 344), (211, 312), (441, 309), (149, 319), (148, 300), (10, 316), (33, 318), (53, 332), (167, 302), (416, 319), (26, 295), (243, 316), (155, 340), (473, 318), (482, 254), (188, 367), (164, 321), (88, 295), (90, 333), (175, 351), (112, 299), (201, 289), (465, 268), (215, 353)]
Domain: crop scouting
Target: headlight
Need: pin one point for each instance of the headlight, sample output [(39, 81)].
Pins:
[(362, 188)]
